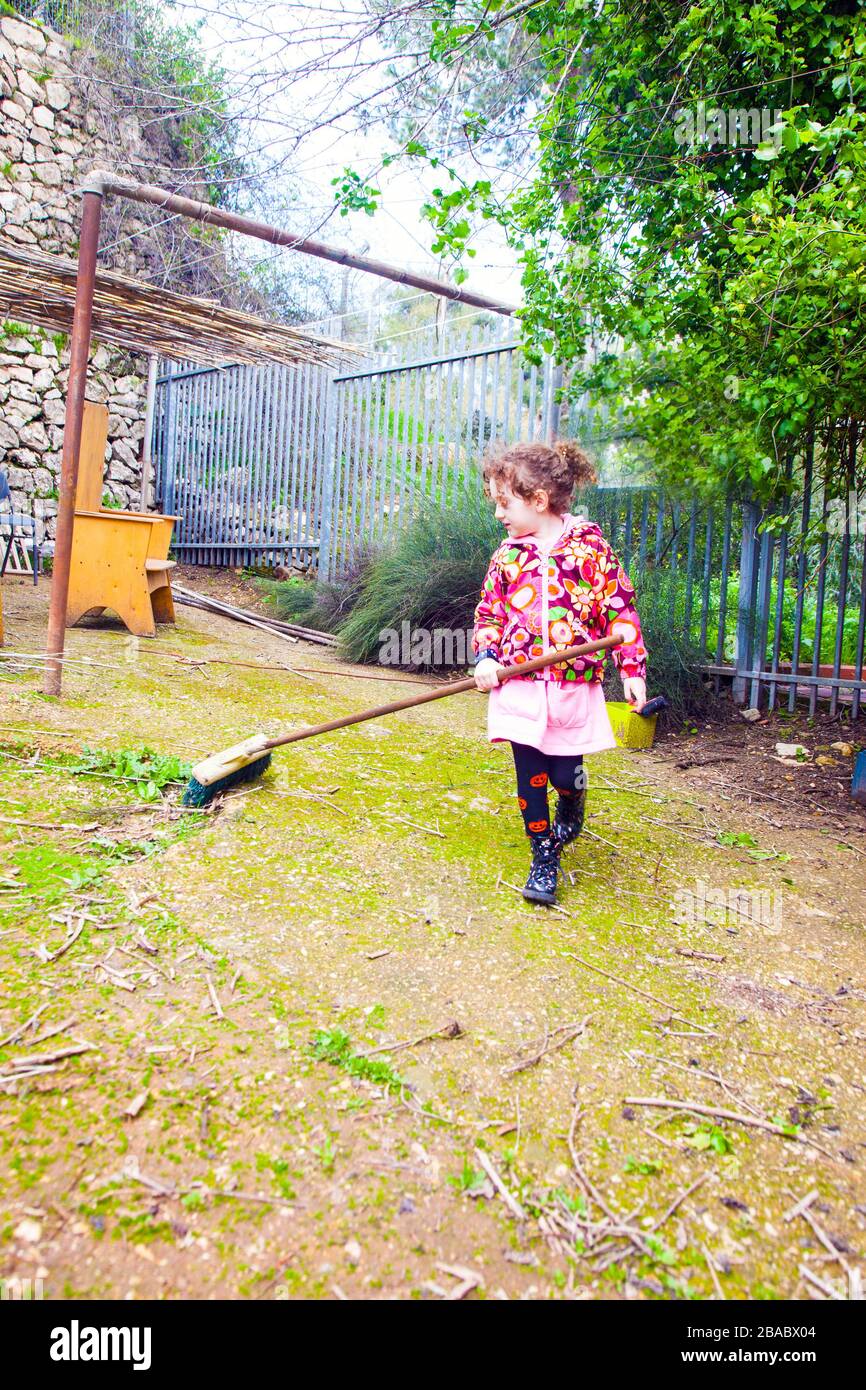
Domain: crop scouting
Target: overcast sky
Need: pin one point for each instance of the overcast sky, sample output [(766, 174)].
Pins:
[(249, 41)]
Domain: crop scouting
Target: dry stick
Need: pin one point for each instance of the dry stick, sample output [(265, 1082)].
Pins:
[(431, 1114), (70, 941), (416, 824), (591, 835), (58, 1028), (144, 964), (272, 666), (590, 1189), (570, 1030), (824, 1239), (693, 1071), (7, 1081), (801, 1206), (636, 989), (115, 976), (448, 1030), (825, 1288), (326, 801), (28, 1023), (362, 676), (669, 1143), (720, 1294), (510, 1201), (213, 996), (40, 1058), (47, 825), (677, 1202), (707, 1033), (54, 733), (552, 907), (663, 1103)]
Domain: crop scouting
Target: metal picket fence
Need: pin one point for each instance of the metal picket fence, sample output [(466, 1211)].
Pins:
[(238, 454), (410, 430), (298, 466), (776, 606)]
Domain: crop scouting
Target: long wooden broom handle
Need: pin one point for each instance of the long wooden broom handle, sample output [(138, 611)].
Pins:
[(568, 654)]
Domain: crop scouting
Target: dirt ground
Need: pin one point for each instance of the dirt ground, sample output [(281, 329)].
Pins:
[(312, 1043)]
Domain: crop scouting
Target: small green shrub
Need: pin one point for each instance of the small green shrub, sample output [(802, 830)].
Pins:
[(431, 578)]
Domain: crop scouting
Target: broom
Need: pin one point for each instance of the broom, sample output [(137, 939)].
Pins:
[(248, 760)]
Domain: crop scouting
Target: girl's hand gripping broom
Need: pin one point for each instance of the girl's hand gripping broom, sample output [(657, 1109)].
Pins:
[(246, 761)]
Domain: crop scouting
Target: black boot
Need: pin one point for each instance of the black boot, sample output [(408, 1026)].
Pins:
[(568, 821), (541, 884)]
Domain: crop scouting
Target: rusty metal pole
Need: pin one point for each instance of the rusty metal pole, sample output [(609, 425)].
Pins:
[(278, 236), (79, 353)]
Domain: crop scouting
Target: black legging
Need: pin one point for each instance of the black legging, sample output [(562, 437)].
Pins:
[(535, 770)]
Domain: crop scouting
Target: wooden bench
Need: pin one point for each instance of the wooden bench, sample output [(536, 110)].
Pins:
[(119, 558)]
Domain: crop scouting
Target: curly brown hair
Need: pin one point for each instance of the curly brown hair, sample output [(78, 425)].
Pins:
[(530, 468)]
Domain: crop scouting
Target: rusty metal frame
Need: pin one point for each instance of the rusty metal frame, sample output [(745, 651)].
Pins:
[(96, 186)]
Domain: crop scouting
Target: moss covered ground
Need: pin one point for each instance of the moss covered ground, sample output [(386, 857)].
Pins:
[(236, 1113)]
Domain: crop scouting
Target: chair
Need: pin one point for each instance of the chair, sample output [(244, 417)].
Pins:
[(119, 558), (17, 522)]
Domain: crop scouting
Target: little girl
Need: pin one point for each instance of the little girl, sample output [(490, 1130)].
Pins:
[(554, 583)]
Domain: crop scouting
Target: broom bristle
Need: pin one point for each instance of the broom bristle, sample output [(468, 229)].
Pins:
[(197, 795)]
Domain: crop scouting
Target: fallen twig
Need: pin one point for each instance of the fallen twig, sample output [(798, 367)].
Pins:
[(508, 1198), (22, 1028), (448, 1030), (755, 1121), (825, 1288), (678, 1201), (468, 1280), (793, 1212), (389, 815), (570, 1031), (41, 1058), (71, 939), (213, 998), (552, 907), (636, 989)]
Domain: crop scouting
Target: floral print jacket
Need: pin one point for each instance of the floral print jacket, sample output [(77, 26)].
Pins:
[(534, 600)]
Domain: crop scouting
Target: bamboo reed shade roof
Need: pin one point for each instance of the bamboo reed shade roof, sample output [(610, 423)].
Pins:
[(40, 289)]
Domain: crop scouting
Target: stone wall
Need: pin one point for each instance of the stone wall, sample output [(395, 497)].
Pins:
[(55, 125)]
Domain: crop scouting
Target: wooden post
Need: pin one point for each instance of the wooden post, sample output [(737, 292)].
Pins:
[(146, 451), (746, 594), (79, 353)]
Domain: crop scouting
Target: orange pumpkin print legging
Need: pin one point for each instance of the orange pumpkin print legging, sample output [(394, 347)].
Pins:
[(535, 772)]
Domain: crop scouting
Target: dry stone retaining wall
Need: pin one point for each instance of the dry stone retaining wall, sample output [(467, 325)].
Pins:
[(49, 137)]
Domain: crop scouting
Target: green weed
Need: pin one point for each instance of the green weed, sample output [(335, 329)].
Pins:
[(151, 772), (469, 1179), (335, 1046)]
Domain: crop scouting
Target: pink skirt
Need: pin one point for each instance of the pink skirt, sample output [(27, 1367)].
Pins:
[(551, 717)]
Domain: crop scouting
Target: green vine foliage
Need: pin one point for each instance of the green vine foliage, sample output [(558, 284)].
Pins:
[(700, 194)]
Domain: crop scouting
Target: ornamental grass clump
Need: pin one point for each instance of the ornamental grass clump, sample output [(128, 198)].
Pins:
[(431, 578)]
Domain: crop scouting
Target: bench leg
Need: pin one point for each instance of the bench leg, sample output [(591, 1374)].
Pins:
[(137, 617), (163, 604), (76, 612)]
